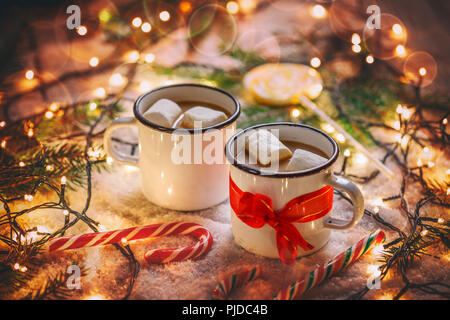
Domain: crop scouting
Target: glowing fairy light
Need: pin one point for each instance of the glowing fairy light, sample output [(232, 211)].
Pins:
[(340, 138), (100, 92), (318, 11), (82, 30), (144, 86), (104, 15), (54, 107), (49, 114), (95, 297), (419, 163), (424, 233), (427, 153), (169, 190), (347, 153), (441, 220), (397, 29), (49, 167), (102, 228), (136, 22), (315, 90), (21, 164), (422, 71), (247, 6), (407, 113), (92, 106), (376, 210), (386, 296), (28, 197), (448, 172), (328, 128), (356, 48), (185, 6), (124, 240), (444, 121), (404, 141), (63, 180), (315, 62), (29, 74), (400, 51), (66, 212), (356, 39), (295, 113), (399, 109), (370, 59), (117, 80), (30, 133), (149, 57), (360, 159), (23, 269), (164, 16), (3, 144), (16, 266), (146, 27), (232, 7), (93, 62), (109, 160), (431, 164), (132, 56), (2, 124)]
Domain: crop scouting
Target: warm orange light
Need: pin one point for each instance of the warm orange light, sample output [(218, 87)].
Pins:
[(93, 62), (136, 22), (315, 62), (132, 56), (30, 132), (185, 6), (370, 59), (397, 29), (164, 16), (116, 80), (82, 30), (2, 124), (356, 48), (318, 11), (295, 113), (49, 114), (54, 107), (149, 57), (29, 74), (356, 39), (100, 92), (422, 71), (146, 27), (232, 7), (400, 50)]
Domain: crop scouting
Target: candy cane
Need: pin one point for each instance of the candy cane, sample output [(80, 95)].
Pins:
[(327, 270), (242, 276), (139, 233)]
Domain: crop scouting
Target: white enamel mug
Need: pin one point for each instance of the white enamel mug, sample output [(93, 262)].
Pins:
[(172, 185), (282, 187)]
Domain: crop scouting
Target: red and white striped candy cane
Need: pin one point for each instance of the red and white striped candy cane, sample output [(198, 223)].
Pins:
[(138, 233), (237, 279)]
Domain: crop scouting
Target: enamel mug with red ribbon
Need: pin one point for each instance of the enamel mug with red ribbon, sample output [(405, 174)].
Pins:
[(287, 214)]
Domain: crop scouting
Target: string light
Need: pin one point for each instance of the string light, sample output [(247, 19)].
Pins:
[(49, 167), (356, 39), (404, 141), (92, 106), (149, 57), (400, 50), (16, 266), (2, 124), (124, 240), (427, 153), (370, 59), (386, 296), (93, 62), (422, 71), (3, 144), (328, 128), (100, 92), (431, 164), (396, 125), (29, 74), (441, 220), (63, 180), (318, 11), (66, 212), (116, 80), (315, 62), (419, 163), (377, 250), (406, 113), (347, 153), (399, 109), (49, 114), (21, 164), (30, 133), (185, 6), (144, 86), (247, 6), (232, 7), (28, 197), (340, 138), (82, 30), (101, 228), (295, 113), (146, 27), (132, 56), (136, 22), (444, 121), (109, 160), (376, 210), (164, 16), (54, 107), (397, 29), (424, 233), (356, 48)]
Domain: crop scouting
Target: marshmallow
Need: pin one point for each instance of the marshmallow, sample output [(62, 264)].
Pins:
[(207, 116), (266, 148), (303, 159), (163, 112)]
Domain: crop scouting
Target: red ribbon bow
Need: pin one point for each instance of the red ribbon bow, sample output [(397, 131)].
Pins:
[(255, 210)]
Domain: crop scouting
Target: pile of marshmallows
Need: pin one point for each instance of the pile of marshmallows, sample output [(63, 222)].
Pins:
[(165, 112), (266, 148)]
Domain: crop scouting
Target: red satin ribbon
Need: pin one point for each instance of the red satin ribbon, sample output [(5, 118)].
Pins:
[(255, 210)]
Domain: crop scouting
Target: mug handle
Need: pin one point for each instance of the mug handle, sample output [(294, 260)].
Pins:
[(357, 198), (117, 156)]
